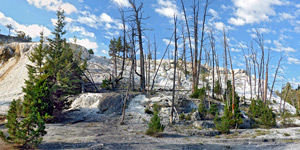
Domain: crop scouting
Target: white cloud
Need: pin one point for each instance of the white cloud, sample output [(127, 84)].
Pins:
[(53, 5), (279, 47), (32, 30), (220, 26), (103, 20), (104, 52), (214, 13), (86, 43), (235, 50), (121, 3), (167, 8), (285, 16), (292, 60), (82, 31), (252, 11)]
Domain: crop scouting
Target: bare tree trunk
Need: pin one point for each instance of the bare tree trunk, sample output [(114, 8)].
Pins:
[(155, 74), (212, 45), (233, 96), (124, 40), (202, 39), (190, 42), (175, 64), (195, 17), (184, 53), (138, 17), (225, 59), (274, 80), (266, 78)]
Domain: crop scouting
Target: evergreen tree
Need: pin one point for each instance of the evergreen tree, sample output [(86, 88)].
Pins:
[(12, 122), (236, 117), (38, 86), (36, 105), (61, 66)]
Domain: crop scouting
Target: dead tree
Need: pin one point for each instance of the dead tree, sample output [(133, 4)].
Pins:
[(288, 86), (155, 74), (266, 77), (137, 19), (124, 40), (184, 52), (195, 8), (232, 73), (225, 44), (202, 39), (212, 46), (274, 80), (190, 42), (175, 64)]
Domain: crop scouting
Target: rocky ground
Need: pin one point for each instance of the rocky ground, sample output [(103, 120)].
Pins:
[(105, 132)]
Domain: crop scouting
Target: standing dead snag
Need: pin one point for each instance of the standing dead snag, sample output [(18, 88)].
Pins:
[(175, 64), (212, 45), (190, 42), (232, 72), (274, 80), (137, 18), (266, 77), (225, 44), (202, 40)]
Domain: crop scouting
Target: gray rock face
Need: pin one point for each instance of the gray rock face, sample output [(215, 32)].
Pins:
[(204, 124), (196, 116), (111, 103)]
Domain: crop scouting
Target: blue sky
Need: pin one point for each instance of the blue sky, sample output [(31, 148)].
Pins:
[(95, 22)]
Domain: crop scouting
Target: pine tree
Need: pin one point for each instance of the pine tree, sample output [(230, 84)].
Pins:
[(12, 120), (61, 66), (36, 106), (38, 85)]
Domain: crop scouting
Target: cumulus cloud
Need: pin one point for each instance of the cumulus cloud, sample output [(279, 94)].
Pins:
[(32, 30), (167, 8), (82, 30), (86, 43), (214, 13), (292, 60), (220, 26), (253, 11), (121, 3), (285, 16), (279, 47), (103, 20), (53, 5)]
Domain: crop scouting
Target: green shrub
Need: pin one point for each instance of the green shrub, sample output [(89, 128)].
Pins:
[(198, 93), (2, 136), (201, 108), (105, 84), (213, 109), (188, 116), (181, 117), (222, 124), (154, 126), (91, 51), (262, 111)]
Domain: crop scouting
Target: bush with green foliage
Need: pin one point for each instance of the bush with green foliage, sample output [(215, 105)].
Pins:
[(213, 109), (235, 117), (198, 93), (222, 124), (201, 108), (105, 84), (181, 116), (154, 126), (91, 51), (265, 115)]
